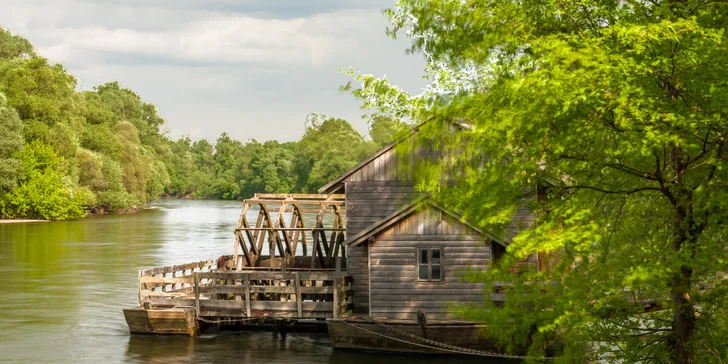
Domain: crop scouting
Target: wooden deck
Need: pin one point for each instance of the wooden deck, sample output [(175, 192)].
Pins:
[(216, 293)]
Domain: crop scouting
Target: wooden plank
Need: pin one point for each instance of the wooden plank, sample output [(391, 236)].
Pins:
[(246, 285), (370, 195), (167, 280), (413, 299), (177, 268), (375, 203), (337, 298), (399, 249), (270, 275), (166, 302), (299, 298), (414, 290), (357, 188), (266, 305), (147, 293), (387, 183), (276, 228), (419, 238), (269, 202), (315, 197), (393, 278), (197, 291)]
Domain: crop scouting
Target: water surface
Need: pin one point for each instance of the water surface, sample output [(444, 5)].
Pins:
[(64, 285)]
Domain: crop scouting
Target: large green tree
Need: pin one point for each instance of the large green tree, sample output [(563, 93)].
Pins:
[(43, 191), (11, 141), (329, 147), (14, 46), (613, 114)]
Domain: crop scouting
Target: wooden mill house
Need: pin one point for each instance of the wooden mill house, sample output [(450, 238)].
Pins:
[(368, 248)]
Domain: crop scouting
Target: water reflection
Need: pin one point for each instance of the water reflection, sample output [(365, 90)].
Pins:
[(65, 284)]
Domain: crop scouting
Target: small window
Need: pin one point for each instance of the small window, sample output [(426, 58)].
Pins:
[(429, 264)]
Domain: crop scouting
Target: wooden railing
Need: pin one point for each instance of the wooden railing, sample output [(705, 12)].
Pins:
[(170, 282), (290, 294), (216, 292)]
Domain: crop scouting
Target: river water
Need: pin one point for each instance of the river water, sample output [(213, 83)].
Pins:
[(64, 285)]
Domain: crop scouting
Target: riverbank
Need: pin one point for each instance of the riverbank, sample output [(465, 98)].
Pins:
[(20, 221), (93, 212)]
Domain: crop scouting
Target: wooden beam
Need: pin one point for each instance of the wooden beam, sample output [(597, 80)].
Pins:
[(292, 229), (299, 298)]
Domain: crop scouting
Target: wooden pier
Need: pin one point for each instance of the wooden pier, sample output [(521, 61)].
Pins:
[(206, 291)]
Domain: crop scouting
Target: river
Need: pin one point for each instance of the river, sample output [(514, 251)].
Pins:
[(64, 285)]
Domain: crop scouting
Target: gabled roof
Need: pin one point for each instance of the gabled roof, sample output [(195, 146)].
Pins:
[(395, 217), (333, 186)]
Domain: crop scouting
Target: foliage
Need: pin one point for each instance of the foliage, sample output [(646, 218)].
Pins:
[(113, 155), (14, 46), (611, 119), (44, 191), (11, 141)]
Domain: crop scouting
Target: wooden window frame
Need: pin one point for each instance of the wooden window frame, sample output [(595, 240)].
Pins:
[(429, 264)]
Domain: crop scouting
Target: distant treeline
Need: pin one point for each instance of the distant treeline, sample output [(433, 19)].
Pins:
[(65, 153)]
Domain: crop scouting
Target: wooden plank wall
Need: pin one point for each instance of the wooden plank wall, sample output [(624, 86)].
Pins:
[(372, 193), (368, 202), (395, 292)]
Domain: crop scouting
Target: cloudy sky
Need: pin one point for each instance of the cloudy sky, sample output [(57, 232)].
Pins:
[(253, 68)]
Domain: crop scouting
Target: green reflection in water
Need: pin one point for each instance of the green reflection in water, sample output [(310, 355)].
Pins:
[(64, 285)]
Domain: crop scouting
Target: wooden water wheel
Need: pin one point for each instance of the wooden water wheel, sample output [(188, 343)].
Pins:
[(301, 231)]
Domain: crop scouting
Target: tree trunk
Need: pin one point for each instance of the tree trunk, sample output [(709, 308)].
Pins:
[(683, 321), (685, 239)]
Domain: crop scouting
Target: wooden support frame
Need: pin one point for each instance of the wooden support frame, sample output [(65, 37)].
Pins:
[(287, 233)]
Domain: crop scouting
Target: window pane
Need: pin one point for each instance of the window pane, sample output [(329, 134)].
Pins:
[(436, 274), (423, 256), (435, 256), (423, 273)]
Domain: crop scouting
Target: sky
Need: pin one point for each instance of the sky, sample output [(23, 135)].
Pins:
[(252, 68)]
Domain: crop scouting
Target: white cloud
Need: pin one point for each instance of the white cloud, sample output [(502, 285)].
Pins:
[(212, 67)]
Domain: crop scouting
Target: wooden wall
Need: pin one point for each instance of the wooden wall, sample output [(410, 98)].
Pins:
[(366, 203), (395, 292), (382, 186), (372, 192)]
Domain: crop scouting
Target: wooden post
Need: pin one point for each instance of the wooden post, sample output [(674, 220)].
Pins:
[(139, 287), (247, 294), (337, 299), (197, 293), (299, 299)]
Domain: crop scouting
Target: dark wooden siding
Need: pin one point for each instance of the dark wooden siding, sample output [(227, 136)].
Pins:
[(395, 292), (372, 192), (366, 203)]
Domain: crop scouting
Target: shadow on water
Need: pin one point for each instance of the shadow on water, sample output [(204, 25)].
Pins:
[(268, 347)]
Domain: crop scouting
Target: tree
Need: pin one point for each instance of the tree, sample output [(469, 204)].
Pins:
[(273, 169), (42, 93), (157, 182), (44, 192), (327, 136), (14, 46), (11, 141), (383, 130), (610, 117), (136, 163)]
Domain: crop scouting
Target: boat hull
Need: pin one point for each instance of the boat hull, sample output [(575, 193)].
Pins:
[(175, 321), (368, 335)]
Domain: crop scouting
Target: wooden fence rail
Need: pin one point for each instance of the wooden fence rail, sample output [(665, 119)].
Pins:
[(248, 293)]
